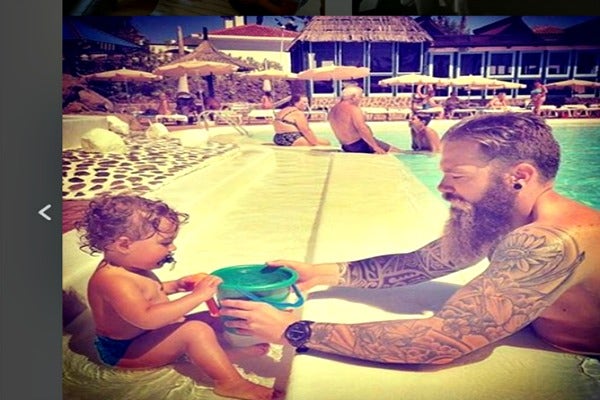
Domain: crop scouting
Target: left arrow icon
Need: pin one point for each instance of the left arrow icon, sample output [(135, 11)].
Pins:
[(42, 212)]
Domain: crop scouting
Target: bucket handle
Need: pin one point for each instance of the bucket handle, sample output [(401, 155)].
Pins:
[(276, 304)]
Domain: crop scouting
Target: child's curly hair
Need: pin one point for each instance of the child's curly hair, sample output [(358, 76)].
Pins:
[(109, 217)]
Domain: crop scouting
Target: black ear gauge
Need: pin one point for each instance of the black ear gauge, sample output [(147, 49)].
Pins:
[(517, 186)]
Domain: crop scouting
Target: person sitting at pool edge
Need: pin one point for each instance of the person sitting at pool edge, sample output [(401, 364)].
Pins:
[(498, 175), (350, 127), (423, 137), (498, 102), (291, 125), (137, 326)]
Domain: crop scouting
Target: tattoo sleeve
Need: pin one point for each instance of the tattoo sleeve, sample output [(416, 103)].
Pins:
[(527, 273), (395, 270)]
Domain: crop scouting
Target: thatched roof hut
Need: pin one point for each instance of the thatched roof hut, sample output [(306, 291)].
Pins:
[(363, 29), (207, 52)]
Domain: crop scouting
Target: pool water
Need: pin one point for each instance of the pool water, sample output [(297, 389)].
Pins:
[(578, 177)]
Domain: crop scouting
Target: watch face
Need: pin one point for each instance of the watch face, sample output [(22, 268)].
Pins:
[(298, 333)]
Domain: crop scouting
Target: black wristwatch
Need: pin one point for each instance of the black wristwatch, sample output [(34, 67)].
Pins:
[(297, 334)]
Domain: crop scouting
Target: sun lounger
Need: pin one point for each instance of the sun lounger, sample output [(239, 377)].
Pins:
[(594, 110), (171, 118), (462, 112), (574, 110), (259, 116), (549, 111), (434, 112), (395, 114), (375, 113)]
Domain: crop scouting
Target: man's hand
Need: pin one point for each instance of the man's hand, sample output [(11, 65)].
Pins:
[(258, 319), (308, 274)]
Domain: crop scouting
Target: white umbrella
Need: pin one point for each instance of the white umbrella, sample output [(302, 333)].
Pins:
[(334, 72), (413, 79), (270, 74), (196, 67), (124, 75), (577, 85)]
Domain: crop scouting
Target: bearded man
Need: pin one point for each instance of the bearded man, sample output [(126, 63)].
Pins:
[(498, 176)]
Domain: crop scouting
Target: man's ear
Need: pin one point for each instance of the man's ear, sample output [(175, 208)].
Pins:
[(523, 173)]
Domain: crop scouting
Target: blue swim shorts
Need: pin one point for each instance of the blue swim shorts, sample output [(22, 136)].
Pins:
[(111, 350)]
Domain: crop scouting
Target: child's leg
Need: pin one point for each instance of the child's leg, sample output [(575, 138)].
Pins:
[(197, 340)]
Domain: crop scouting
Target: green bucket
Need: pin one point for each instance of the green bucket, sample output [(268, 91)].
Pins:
[(259, 282)]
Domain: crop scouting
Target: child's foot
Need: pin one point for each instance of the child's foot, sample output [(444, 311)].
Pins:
[(242, 389), (241, 353)]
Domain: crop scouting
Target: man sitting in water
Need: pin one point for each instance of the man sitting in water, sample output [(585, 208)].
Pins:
[(350, 127), (424, 138), (498, 175)]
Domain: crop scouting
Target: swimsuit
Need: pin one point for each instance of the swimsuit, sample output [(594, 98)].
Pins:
[(111, 350), (360, 146), (285, 121), (286, 138)]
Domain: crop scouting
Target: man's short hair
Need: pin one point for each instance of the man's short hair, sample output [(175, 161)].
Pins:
[(351, 91), (511, 138)]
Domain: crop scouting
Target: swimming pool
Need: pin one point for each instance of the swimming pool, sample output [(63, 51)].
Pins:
[(578, 176), (579, 173)]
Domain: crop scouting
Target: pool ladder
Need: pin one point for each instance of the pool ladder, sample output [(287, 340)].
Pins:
[(231, 118)]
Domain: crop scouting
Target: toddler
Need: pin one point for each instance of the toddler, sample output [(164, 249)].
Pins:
[(137, 326)]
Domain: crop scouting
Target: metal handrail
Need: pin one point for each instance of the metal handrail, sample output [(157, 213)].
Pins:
[(222, 114)]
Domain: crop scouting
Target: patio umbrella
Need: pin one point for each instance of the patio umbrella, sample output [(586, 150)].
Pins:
[(413, 79), (197, 68), (334, 72), (498, 84), (471, 82), (270, 74), (124, 75), (577, 85)]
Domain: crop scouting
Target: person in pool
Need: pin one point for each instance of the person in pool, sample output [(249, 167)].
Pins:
[(137, 325), (291, 125), (350, 127), (423, 137), (498, 175)]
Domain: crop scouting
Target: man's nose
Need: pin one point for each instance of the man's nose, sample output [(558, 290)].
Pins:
[(444, 186)]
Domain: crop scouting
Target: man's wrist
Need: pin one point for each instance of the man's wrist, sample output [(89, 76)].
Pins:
[(297, 334)]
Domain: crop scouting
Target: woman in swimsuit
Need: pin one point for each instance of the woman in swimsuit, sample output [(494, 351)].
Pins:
[(538, 96), (291, 125)]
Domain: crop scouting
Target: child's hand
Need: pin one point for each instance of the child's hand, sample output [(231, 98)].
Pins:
[(207, 287), (187, 283)]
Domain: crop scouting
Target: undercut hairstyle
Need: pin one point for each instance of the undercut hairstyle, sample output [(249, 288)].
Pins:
[(511, 138), (110, 217)]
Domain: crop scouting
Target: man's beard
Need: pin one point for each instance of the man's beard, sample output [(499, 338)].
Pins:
[(473, 228)]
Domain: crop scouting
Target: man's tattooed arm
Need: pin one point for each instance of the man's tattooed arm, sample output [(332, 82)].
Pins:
[(397, 269), (528, 272)]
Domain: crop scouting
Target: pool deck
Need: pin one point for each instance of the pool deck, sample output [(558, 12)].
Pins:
[(321, 205)]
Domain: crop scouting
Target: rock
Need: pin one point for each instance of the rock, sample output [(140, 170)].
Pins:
[(117, 125), (156, 130), (94, 101), (103, 141)]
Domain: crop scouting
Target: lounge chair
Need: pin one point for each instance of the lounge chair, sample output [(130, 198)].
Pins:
[(258, 116)]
